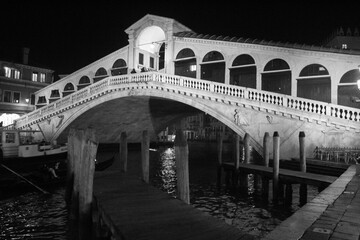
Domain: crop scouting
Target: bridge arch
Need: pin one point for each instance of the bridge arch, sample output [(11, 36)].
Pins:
[(213, 111)]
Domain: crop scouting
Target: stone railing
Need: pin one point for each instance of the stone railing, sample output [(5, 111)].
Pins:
[(318, 110)]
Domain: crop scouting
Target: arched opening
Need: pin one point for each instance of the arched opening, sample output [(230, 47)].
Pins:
[(185, 63), (68, 89), (348, 90), (83, 82), (243, 71), (277, 77), (151, 49), (213, 67), (119, 67), (100, 74), (314, 83)]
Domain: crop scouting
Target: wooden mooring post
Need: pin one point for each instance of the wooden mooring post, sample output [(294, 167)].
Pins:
[(243, 176), (220, 139), (266, 154), (276, 163), (82, 159), (123, 151), (303, 187), (145, 144), (236, 149), (182, 166)]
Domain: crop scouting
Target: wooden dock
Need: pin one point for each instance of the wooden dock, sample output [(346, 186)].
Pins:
[(132, 209), (285, 175)]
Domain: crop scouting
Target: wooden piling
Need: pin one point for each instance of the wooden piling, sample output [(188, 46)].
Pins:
[(266, 155), (303, 187), (123, 151), (220, 138), (243, 176), (276, 162), (288, 194), (88, 150), (182, 166), (70, 167), (236, 160), (145, 144), (83, 148)]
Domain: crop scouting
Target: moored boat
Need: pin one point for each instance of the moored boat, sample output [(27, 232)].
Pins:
[(26, 150)]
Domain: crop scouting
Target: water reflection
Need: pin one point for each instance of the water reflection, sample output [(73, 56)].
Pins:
[(165, 173), (246, 212), (34, 216)]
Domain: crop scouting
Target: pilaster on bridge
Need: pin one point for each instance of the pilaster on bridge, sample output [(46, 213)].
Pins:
[(122, 102)]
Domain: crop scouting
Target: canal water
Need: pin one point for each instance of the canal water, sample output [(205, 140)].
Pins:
[(33, 215)]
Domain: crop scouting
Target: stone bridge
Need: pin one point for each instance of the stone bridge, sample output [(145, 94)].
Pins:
[(152, 100)]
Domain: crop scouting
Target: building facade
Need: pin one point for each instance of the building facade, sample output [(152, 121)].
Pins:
[(18, 84), (327, 74)]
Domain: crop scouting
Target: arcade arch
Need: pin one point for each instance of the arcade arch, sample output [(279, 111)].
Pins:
[(277, 77), (348, 90), (151, 48), (185, 63), (119, 67), (83, 82), (243, 71), (314, 83), (213, 67), (100, 74)]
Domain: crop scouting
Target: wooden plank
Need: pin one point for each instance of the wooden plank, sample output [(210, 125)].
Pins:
[(286, 175), (140, 211)]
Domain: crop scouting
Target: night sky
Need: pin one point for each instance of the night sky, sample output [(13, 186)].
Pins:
[(65, 36)]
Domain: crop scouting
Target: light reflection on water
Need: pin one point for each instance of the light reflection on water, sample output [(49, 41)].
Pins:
[(34, 216), (247, 213)]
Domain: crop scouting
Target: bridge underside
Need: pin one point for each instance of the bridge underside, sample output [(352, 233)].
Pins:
[(130, 114)]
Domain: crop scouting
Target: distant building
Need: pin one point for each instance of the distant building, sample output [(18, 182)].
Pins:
[(18, 84), (345, 40)]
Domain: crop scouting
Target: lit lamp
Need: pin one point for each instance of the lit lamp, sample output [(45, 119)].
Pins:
[(27, 100)]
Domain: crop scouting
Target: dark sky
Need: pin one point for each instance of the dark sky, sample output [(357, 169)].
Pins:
[(66, 36)]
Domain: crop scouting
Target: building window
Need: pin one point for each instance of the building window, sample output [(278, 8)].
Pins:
[(12, 73), (42, 77), (16, 97), (7, 72), (141, 59), (34, 77), (7, 96)]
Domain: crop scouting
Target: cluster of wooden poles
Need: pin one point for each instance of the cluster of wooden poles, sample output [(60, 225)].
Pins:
[(82, 149), (261, 183)]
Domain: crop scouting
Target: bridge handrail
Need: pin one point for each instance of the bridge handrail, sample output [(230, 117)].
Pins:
[(296, 103)]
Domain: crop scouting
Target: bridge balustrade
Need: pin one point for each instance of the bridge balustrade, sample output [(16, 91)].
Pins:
[(295, 103)]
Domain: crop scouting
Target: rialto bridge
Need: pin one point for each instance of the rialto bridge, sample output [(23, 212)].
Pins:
[(168, 72)]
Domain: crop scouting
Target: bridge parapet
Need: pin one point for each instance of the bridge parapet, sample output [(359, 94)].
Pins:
[(288, 106)]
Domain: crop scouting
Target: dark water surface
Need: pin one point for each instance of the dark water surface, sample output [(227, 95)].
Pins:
[(33, 215)]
